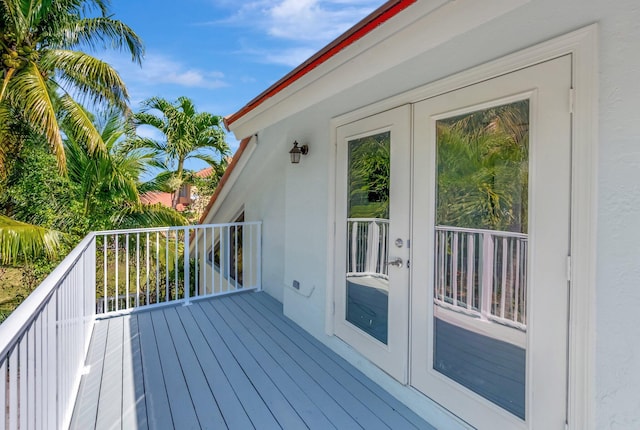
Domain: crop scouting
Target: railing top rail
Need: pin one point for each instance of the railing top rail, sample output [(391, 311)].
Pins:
[(383, 220), (173, 228), (482, 231), (16, 324)]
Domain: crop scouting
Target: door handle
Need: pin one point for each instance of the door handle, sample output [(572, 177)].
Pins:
[(397, 261)]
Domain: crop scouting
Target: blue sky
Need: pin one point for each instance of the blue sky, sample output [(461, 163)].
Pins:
[(222, 53)]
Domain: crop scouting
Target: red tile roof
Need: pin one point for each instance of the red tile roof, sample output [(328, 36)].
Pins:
[(204, 172), (158, 197)]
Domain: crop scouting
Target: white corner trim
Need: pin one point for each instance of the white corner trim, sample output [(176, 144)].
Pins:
[(582, 45)]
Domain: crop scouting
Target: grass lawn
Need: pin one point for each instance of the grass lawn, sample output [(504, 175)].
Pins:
[(12, 290)]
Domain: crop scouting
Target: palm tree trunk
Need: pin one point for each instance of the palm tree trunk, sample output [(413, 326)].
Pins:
[(176, 193)]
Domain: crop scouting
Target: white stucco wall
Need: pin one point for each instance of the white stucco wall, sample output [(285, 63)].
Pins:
[(292, 200)]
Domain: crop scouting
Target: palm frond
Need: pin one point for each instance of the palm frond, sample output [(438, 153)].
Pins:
[(29, 92), (92, 78), (105, 31), (22, 241), (79, 124), (143, 215)]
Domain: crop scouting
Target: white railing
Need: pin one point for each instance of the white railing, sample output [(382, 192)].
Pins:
[(43, 345), (159, 266), (482, 273), (368, 243)]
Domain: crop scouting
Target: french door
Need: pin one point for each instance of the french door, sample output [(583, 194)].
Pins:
[(472, 188), (491, 213), (372, 232)]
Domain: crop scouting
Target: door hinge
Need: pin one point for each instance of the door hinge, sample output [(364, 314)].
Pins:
[(569, 268), (572, 99)]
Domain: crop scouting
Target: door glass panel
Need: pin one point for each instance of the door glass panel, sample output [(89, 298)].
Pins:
[(480, 308), (368, 234)]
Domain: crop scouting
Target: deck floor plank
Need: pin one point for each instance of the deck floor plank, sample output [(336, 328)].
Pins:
[(278, 403), (134, 407), (86, 408), (155, 392), (232, 362), (236, 410), (180, 402), (110, 412), (379, 401), (252, 400), (205, 404), (305, 403), (345, 409)]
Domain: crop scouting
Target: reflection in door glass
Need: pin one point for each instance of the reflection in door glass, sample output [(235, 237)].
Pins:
[(368, 235), (480, 312)]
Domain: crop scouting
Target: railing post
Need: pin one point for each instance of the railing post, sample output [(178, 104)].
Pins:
[(487, 274), (187, 274)]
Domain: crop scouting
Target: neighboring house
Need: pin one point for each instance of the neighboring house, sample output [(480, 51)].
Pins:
[(495, 287), (187, 195)]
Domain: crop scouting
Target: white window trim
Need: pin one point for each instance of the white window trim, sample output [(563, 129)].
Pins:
[(582, 44)]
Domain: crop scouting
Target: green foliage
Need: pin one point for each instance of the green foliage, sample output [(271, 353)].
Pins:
[(43, 46), (483, 169), (369, 172), (188, 134)]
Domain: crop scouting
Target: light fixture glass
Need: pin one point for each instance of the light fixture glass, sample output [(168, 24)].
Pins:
[(296, 151)]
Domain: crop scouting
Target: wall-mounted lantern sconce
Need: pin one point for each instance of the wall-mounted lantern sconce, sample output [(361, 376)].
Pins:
[(296, 151)]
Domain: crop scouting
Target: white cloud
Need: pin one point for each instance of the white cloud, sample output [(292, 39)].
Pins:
[(158, 69), (302, 26)]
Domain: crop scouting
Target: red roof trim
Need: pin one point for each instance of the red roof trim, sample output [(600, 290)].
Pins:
[(361, 29), (225, 177)]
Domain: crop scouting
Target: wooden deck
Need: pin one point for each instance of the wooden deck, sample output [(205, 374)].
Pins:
[(233, 362)]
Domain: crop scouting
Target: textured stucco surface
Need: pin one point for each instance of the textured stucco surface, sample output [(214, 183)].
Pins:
[(292, 200)]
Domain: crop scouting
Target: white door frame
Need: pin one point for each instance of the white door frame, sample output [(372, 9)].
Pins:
[(392, 357), (583, 99)]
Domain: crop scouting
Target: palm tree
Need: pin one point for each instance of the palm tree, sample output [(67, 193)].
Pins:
[(43, 63), (108, 182), (187, 134)]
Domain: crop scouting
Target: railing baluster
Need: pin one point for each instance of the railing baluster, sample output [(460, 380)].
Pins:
[(23, 377), (205, 258), (157, 267), (454, 268), (470, 271), (166, 267), (503, 282), (31, 375), (137, 269), (105, 268), (213, 260), (116, 296), (175, 266), (147, 260), (13, 389), (196, 268), (235, 260), (127, 271), (3, 392), (187, 274)]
